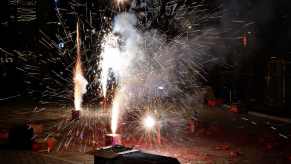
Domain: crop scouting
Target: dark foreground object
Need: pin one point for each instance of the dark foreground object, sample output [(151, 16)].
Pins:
[(121, 155), (19, 138)]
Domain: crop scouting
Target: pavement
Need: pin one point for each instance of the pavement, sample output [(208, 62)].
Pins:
[(257, 139), (222, 137)]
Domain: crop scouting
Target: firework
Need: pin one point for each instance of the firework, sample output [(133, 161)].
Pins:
[(80, 82), (114, 117)]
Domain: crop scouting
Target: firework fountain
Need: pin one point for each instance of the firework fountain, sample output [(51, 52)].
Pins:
[(80, 82), (124, 53)]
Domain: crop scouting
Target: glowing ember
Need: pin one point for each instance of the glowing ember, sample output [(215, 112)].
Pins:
[(80, 82), (149, 122)]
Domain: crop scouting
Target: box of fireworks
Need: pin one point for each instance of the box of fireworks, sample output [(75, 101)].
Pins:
[(121, 155)]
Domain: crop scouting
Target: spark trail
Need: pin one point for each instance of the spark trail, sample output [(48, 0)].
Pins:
[(80, 82)]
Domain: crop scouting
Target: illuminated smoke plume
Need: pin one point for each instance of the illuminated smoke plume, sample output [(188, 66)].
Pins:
[(120, 48), (80, 83), (149, 65)]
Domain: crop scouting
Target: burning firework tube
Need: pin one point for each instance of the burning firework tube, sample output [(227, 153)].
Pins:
[(112, 139), (75, 114)]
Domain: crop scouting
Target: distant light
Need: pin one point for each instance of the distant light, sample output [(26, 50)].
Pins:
[(149, 122)]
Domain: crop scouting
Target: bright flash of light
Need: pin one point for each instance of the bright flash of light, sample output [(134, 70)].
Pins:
[(110, 59), (80, 83), (149, 122), (114, 116)]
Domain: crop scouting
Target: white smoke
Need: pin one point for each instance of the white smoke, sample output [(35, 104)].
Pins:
[(121, 49), (149, 65)]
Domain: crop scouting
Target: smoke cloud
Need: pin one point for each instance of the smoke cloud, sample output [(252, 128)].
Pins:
[(149, 65)]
